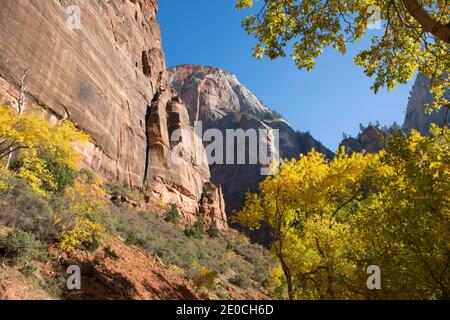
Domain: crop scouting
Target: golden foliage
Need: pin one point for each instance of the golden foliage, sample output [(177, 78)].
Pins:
[(205, 278), (403, 46), (79, 222), (41, 152), (330, 220), (37, 144)]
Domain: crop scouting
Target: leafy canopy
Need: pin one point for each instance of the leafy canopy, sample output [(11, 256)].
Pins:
[(42, 152), (413, 36), (305, 205), (39, 154), (329, 221), (405, 225), (79, 218)]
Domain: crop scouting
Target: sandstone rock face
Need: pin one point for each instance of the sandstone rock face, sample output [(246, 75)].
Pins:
[(211, 93), (416, 117), (217, 99), (93, 75), (108, 75)]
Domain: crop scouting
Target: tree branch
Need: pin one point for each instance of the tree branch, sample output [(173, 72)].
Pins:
[(438, 30)]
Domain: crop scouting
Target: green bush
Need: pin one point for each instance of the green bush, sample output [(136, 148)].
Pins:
[(21, 207), (241, 280), (94, 243), (133, 240), (195, 231), (21, 247), (63, 176), (29, 270), (55, 285), (222, 293), (87, 175), (124, 190), (172, 215), (213, 231)]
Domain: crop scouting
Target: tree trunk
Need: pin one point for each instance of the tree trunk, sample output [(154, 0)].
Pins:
[(8, 161), (288, 275), (438, 30)]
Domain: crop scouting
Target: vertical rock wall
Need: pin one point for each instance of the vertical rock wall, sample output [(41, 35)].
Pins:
[(109, 77)]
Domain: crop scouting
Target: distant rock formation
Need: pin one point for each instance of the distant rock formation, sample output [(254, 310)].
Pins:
[(416, 117), (109, 77), (371, 137), (217, 98), (368, 140)]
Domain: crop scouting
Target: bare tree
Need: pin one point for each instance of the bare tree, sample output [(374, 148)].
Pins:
[(21, 79)]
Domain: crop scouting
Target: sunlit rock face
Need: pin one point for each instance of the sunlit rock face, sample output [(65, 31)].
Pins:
[(212, 93), (106, 72), (220, 101), (416, 117), (92, 75)]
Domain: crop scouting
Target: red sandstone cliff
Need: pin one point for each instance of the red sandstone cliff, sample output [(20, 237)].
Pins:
[(109, 77)]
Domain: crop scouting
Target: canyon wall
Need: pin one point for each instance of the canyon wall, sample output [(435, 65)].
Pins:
[(107, 73)]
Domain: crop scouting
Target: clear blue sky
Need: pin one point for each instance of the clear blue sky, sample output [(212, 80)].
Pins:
[(333, 98)]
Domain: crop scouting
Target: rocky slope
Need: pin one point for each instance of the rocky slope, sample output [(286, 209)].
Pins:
[(216, 98), (416, 117), (120, 272), (112, 272), (109, 77)]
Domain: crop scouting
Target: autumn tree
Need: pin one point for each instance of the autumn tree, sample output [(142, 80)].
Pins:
[(413, 36), (45, 159), (205, 278), (306, 207), (404, 225), (78, 219), (330, 221), (43, 150)]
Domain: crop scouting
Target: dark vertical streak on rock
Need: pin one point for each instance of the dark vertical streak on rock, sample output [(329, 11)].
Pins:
[(147, 124)]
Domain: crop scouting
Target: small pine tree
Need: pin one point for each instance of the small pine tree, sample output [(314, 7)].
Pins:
[(196, 231), (172, 215), (20, 247), (213, 231)]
